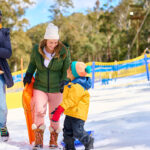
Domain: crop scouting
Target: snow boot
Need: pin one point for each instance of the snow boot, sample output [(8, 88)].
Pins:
[(38, 136), (89, 145), (4, 134), (53, 137), (69, 143), (69, 147)]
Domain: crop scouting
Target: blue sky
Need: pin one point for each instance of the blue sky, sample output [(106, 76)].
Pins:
[(38, 13)]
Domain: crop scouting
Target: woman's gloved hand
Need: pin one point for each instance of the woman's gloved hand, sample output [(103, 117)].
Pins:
[(62, 83), (27, 78)]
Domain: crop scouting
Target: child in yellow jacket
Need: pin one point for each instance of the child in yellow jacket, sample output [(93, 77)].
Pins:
[(75, 106)]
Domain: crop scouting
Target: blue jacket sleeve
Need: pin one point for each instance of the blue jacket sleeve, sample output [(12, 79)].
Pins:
[(5, 50)]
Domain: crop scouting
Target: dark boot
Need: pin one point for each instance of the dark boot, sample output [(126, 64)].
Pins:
[(4, 134), (67, 147), (89, 145), (69, 143)]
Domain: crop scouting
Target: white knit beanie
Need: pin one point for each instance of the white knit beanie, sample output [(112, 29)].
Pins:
[(51, 32)]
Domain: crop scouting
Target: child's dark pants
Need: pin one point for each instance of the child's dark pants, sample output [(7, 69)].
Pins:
[(74, 128)]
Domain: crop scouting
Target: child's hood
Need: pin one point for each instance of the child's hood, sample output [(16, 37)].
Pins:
[(83, 81)]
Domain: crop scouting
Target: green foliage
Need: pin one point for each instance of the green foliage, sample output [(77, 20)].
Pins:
[(60, 7), (104, 33), (100, 35), (21, 46), (13, 11), (36, 33)]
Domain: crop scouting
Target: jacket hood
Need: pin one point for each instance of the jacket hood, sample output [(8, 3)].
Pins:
[(85, 82)]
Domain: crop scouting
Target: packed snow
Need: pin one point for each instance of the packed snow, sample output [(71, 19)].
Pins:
[(119, 115)]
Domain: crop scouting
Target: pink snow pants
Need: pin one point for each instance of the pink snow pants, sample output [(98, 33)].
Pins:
[(39, 105)]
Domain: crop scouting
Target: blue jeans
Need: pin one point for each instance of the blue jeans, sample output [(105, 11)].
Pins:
[(3, 105)]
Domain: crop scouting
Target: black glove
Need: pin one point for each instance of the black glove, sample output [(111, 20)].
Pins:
[(27, 78), (62, 83)]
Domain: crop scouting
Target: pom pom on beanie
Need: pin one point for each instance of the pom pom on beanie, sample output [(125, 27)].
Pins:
[(79, 69), (88, 69)]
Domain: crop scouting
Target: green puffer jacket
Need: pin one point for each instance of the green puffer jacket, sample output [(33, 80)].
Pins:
[(48, 79)]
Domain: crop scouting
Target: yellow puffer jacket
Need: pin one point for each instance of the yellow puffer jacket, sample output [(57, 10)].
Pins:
[(76, 98)]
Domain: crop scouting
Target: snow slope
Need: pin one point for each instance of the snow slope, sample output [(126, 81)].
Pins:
[(119, 116)]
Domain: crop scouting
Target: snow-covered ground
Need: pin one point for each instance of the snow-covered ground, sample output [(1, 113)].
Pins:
[(118, 115)]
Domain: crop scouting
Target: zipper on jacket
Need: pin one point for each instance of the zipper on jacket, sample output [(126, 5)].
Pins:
[(49, 73), (48, 81)]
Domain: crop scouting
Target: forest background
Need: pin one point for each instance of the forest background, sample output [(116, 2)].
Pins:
[(105, 33)]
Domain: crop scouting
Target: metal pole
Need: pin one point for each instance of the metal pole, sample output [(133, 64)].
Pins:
[(147, 69), (93, 74)]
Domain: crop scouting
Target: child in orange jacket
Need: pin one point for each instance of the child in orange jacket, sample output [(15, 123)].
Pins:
[(75, 106)]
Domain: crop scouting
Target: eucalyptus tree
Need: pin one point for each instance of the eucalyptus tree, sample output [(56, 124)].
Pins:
[(36, 33), (22, 46), (59, 8), (13, 12)]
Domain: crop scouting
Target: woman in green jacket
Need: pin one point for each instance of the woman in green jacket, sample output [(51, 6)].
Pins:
[(50, 63)]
